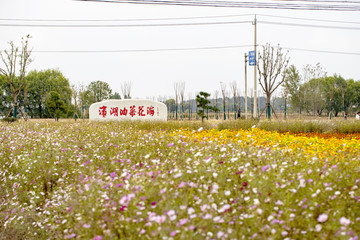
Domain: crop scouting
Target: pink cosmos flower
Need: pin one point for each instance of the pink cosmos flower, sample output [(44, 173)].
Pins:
[(322, 217), (220, 234), (183, 221), (344, 221), (182, 184), (265, 168), (70, 236)]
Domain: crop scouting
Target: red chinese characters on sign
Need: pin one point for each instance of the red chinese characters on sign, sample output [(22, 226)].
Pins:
[(132, 111), (102, 111), (150, 111), (123, 112), (141, 111), (114, 111)]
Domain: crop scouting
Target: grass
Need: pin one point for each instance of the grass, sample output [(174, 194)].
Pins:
[(178, 180)]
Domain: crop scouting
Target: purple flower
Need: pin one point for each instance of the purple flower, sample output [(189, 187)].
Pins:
[(113, 175), (182, 184), (264, 168), (70, 236), (322, 217), (344, 221), (97, 237), (173, 233), (170, 144), (183, 221)]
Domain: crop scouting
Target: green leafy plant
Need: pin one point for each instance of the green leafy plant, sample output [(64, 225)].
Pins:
[(203, 104), (9, 119)]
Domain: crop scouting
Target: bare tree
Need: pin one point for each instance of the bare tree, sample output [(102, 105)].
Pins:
[(313, 71), (216, 95), (126, 89), (312, 74), (239, 102), (196, 109), (75, 94), (285, 94), (16, 79), (182, 94), (190, 105), (223, 92), (26, 91), (228, 95), (177, 94), (82, 96), (233, 87), (272, 64)]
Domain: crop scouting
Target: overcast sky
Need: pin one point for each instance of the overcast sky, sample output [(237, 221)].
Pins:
[(153, 73)]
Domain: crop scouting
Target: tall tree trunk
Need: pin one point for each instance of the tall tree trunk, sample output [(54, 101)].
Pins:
[(268, 106)]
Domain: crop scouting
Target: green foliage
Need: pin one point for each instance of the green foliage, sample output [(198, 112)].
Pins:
[(203, 104), (171, 105), (292, 85), (116, 95), (9, 119), (98, 91), (4, 94), (41, 83), (55, 105)]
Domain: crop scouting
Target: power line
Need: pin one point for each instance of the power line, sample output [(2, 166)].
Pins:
[(172, 24), (168, 19), (307, 19), (189, 49), (119, 25), (121, 20), (234, 4), (322, 51), (142, 50), (321, 1), (310, 25)]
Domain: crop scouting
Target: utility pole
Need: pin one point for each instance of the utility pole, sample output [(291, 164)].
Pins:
[(246, 86), (255, 82)]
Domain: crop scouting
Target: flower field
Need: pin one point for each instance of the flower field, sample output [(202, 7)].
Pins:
[(89, 180)]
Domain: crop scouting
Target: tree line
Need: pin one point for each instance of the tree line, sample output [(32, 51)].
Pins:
[(49, 94), (315, 93)]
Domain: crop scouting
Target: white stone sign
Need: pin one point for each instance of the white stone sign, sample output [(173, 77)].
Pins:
[(128, 109)]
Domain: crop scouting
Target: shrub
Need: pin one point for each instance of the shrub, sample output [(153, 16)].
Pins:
[(9, 119)]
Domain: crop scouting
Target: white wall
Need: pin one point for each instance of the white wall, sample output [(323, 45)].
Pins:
[(128, 109)]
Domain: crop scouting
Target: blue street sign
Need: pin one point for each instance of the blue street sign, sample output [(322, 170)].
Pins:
[(252, 58)]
